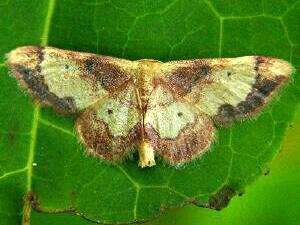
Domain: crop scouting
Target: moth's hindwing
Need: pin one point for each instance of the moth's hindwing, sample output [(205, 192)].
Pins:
[(111, 127), (175, 129)]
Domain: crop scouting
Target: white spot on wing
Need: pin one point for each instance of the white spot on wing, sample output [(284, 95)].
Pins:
[(163, 116), (121, 114), (228, 89), (68, 82), (165, 120)]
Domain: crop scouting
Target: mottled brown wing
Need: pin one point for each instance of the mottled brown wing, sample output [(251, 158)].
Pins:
[(227, 89), (175, 129), (69, 81), (112, 126)]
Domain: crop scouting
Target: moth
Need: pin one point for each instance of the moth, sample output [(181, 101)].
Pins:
[(165, 109)]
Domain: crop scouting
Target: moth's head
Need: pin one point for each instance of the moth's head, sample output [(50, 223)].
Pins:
[(26, 57), (149, 61), (149, 64)]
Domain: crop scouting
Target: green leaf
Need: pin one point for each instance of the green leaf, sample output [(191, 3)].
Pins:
[(40, 154)]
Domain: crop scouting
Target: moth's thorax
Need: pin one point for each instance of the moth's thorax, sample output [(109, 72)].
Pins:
[(147, 70)]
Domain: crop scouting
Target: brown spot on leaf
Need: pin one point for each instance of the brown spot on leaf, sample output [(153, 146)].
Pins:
[(266, 171), (11, 136), (72, 194), (221, 199)]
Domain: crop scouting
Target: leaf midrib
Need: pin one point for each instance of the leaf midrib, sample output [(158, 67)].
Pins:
[(36, 116)]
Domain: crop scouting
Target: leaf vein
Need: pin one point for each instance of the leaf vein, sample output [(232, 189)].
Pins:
[(54, 126), (7, 174)]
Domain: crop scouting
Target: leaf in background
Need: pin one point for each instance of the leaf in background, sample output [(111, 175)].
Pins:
[(38, 149)]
